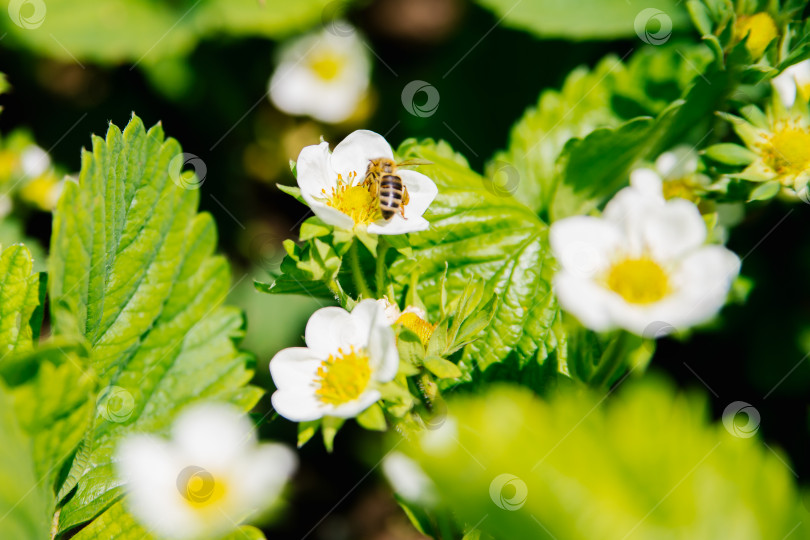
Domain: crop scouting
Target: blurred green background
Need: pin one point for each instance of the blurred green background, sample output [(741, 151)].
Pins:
[(202, 69)]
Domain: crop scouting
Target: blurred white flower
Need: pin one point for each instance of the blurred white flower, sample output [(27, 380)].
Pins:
[(34, 161), (208, 478), (408, 479), (643, 262), (793, 79), (322, 75), (338, 372), (675, 175), (332, 186)]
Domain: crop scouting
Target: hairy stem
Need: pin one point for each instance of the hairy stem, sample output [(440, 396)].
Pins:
[(357, 272)]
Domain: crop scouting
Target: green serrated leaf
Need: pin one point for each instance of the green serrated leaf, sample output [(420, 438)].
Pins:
[(20, 298), (55, 407), (477, 233), (443, 369), (591, 19), (134, 262), (116, 522), (26, 503)]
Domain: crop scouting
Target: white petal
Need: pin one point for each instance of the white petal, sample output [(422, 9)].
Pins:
[(150, 466), (647, 181), (585, 245), (629, 204), (366, 316), (679, 162), (399, 225), (315, 176), (705, 277), (353, 408), (330, 329), (356, 150), (331, 216), (298, 405), (421, 191), (408, 479), (382, 348), (261, 475), (212, 435), (34, 161), (295, 367), (673, 230), (586, 300), (785, 83)]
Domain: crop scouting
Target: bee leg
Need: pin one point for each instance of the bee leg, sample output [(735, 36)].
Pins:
[(405, 200), (373, 189)]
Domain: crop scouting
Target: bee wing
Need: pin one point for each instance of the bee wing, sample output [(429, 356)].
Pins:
[(414, 162)]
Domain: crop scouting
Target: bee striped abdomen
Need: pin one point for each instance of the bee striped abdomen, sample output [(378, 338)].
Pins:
[(390, 195)]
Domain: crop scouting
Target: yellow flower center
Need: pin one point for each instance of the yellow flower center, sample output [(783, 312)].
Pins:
[(8, 163), (354, 201), (418, 325), (680, 188), (638, 281), (327, 64), (200, 489), (761, 30), (343, 378), (788, 151)]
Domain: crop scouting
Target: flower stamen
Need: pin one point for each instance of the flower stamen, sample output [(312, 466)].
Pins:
[(343, 378), (787, 150), (355, 201), (639, 281)]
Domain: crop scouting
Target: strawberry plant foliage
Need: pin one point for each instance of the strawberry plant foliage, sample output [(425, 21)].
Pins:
[(478, 231), (133, 275)]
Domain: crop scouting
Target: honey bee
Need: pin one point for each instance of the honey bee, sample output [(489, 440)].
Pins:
[(387, 186)]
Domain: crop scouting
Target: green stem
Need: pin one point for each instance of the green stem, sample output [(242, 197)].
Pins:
[(337, 290), (357, 271), (382, 248), (614, 358)]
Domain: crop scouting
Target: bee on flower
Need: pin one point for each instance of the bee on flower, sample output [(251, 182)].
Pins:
[(644, 261), (336, 187), (339, 373), (322, 75), (207, 479)]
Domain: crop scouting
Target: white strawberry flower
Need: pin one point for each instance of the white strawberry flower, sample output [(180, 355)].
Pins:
[(207, 479), (643, 264), (322, 75), (332, 185), (347, 357)]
